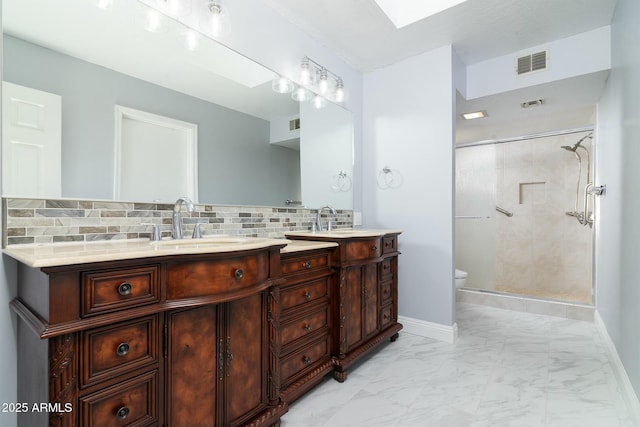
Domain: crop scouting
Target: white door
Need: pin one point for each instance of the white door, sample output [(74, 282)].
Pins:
[(156, 157), (31, 142)]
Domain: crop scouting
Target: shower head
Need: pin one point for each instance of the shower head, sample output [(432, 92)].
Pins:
[(577, 144)]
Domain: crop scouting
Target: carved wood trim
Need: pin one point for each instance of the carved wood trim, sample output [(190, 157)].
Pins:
[(63, 380), (269, 416), (311, 378)]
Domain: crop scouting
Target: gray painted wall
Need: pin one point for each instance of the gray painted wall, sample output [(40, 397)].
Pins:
[(618, 151), (237, 164)]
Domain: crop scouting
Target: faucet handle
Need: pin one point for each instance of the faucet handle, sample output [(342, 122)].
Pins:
[(155, 235), (197, 232)]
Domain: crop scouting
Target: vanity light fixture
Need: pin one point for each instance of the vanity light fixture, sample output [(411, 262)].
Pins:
[(217, 22), (319, 79), (282, 84), (475, 115)]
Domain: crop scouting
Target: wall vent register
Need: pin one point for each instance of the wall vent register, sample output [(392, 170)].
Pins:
[(534, 62)]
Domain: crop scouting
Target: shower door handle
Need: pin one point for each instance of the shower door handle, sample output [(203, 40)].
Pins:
[(598, 190)]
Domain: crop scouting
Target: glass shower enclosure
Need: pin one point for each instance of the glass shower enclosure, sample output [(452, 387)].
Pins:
[(522, 224)]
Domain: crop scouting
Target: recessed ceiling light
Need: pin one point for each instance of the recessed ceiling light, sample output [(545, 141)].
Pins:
[(475, 115)]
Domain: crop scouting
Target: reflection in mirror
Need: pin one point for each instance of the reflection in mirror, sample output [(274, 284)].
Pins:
[(249, 150)]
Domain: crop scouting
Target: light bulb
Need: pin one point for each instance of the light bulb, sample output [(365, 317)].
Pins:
[(155, 22), (323, 84), (339, 94), (104, 4), (319, 102), (305, 72), (300, 94), (217, 23), (281, 84), (189, 40)]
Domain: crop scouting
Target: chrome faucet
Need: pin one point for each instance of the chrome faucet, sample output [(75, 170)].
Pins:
[(177, 216), (319, 218)]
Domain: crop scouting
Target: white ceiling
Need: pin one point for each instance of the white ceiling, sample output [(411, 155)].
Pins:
[(364, 37), (359, 32)]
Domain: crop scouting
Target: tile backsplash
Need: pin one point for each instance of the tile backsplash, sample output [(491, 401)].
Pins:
[(65, 220)]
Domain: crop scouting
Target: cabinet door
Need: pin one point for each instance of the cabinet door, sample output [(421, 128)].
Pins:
[(353, 304), (192, 374), (246, 358), (370, 296)]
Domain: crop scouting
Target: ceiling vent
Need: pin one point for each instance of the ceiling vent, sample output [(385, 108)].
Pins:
[(534, 62)]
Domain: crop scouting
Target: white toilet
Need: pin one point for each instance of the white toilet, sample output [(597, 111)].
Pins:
[(461, 278)]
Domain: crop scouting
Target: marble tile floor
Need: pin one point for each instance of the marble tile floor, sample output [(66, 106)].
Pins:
[(507, 368)]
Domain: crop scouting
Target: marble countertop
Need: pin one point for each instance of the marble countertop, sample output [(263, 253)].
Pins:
[(344, 233), (59, 254)]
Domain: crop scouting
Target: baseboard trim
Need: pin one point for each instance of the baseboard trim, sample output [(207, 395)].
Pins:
[(426, 329), (628, 393)]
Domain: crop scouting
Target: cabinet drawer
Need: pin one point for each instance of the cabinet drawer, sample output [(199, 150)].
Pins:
[(386, 316), (385, 291), (111, 290), (113, 350), (304, 293), (363, 249), (386, 268), (304, 264), (219, 277), (305, 325), (389, 244), (318, 351), (129, 403)]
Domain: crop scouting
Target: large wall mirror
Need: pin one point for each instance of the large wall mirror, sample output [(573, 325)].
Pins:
[(91, 63)]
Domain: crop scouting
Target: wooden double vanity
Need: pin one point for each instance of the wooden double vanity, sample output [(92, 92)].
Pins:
[(211, 332)]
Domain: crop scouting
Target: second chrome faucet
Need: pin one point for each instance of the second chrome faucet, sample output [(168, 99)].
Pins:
[(176, 224)]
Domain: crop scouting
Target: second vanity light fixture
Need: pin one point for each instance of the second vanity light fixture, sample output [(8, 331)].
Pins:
[(317, 84)]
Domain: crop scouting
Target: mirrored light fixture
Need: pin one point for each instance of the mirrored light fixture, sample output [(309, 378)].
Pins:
[(190, 39), (319, 101), (282, 84), (174, 8), (104, 4), (217, 22), (321, 80), (155, 22), (301, 94)]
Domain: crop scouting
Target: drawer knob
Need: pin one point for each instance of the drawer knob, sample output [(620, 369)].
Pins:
[(374, 248), (306, 360), (123, 349), (123, 413), (307, 295), (307, 265), (125, 288), (307, 327), (238, 273)]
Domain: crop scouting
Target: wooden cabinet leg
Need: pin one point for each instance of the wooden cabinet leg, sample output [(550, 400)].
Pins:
[(340, 376), (394, 337)]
